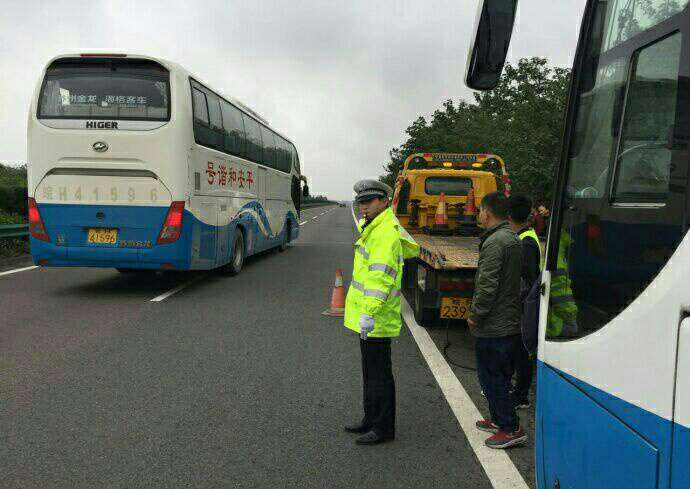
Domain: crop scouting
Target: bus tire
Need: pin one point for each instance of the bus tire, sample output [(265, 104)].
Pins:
[(286, 239), (238, 250)]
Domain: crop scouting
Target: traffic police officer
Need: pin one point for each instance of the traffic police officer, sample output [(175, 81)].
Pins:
[(372, 307)]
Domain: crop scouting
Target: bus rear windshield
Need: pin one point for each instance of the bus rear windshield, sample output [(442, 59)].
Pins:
[(105, 89), (448, 186)]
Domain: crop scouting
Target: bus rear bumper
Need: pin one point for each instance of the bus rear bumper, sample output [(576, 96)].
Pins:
[(161, 257)]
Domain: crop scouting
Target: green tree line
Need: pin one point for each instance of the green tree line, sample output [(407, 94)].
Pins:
[(521, 120)]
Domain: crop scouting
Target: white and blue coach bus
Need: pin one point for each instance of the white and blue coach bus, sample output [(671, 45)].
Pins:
[(613, 385), (135, 164)]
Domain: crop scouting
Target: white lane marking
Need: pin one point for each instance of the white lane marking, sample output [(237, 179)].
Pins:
[(162, 297), (314, 218), (17, 270), (303, 223), (497, 465)]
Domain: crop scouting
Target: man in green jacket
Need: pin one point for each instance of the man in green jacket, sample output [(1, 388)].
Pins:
[(372, 307), (495, 319)]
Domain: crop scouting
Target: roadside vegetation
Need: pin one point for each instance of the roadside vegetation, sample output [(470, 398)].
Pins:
[(13, 208), (521, 120)]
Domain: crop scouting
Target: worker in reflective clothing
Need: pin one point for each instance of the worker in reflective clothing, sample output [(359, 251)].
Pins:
[(562, 317), (519, 210), (372, 307)]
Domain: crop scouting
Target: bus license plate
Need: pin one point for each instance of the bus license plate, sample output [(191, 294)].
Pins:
[(455, 307), (102, 236)]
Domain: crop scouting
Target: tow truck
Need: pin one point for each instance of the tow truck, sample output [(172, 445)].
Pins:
[(436, 200)]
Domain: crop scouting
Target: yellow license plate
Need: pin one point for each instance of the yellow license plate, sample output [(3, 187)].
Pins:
[(455, 307), (102, 236)]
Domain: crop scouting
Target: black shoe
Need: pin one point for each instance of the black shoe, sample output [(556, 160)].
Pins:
[(373, 438), (357, 428)]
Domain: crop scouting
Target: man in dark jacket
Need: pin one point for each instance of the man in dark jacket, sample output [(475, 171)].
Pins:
[(495, 319)]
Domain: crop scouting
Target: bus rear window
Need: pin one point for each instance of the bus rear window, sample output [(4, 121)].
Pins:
[(126, 89), (448, 186)]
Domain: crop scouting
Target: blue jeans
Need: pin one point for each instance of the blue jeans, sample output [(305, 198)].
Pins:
[(495, 357)]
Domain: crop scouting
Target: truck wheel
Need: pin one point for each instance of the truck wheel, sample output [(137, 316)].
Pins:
[(424, 316)]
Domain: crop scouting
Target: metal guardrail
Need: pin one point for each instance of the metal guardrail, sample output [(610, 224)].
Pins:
[(14, 230)]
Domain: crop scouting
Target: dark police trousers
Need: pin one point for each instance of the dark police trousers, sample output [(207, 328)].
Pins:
[(379, 386)]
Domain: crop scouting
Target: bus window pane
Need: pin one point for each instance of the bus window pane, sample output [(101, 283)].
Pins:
[(644, 157), (594, 141), (625, 19), (200, 107), (111, 89), (611, 244), (233, 129), (295, 158), (269, 147), (214, 111), (448, 186), (254, 145), (283, 162)]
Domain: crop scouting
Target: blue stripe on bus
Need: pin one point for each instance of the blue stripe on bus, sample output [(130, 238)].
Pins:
[(590, 438), (200, 247)]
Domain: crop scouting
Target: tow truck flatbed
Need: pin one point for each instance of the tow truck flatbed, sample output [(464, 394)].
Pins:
[(448, 252)]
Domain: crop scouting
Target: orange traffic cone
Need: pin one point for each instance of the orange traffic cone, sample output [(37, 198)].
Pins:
[(441, 219), (337, 307), (470, 209)]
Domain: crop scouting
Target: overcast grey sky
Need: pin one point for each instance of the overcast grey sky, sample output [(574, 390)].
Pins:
[(342, 79)]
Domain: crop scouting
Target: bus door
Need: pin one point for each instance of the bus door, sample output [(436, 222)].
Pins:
[(262, 188), (680, 465), (611, 308)]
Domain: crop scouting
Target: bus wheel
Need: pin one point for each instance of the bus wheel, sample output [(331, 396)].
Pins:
[(286, 239), (235, 265)]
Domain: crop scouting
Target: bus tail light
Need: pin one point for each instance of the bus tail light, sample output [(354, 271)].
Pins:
[(172, 227), (36, 227)]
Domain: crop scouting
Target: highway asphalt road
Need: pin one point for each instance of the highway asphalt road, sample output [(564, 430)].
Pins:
[(230, 382)]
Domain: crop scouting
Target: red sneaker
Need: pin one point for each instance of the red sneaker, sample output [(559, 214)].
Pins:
[(505, 440), (487, 425)]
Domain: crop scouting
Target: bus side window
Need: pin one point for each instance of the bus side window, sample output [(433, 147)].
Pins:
[(254, 144), (295, 159), (269, 145), (203, 134), (284, 160), (644, 155), (620, 219), (200, 106), (216, 121), (233, 129)]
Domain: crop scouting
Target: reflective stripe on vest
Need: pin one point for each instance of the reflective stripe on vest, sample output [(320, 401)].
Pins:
[(362, 251), (532, 234), (373, 292), (380, 267)]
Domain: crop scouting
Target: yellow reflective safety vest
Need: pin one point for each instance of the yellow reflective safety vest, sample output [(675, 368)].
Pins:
[(562, 317), (377, 275), (530, 233)]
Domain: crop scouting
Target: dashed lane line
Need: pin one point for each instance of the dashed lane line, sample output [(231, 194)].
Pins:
[(497, 465), (17, 270), (164, 296)]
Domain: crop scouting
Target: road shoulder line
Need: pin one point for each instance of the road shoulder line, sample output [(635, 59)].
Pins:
[(17, 270), (497, 464)]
